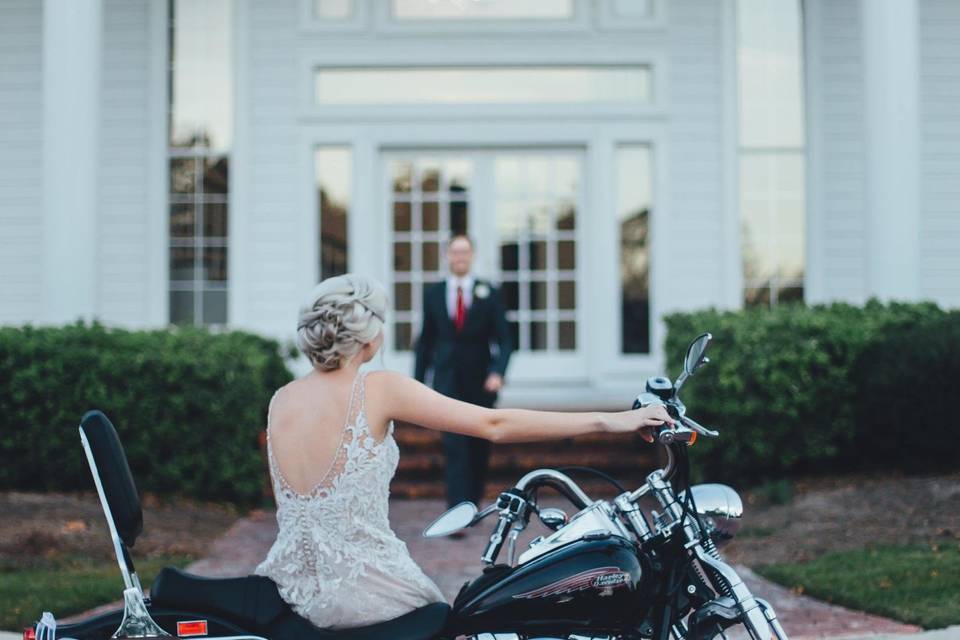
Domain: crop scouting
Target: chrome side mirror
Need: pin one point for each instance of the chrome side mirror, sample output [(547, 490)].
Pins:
[(721, 510), (452, 520), (695, 353), (553, 518)]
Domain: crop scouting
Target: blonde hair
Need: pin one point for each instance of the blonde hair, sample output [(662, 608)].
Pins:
[(340, 315)]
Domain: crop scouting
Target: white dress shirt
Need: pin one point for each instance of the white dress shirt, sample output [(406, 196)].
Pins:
[(452, 283)]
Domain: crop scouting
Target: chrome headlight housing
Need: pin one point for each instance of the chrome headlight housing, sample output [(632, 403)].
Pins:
[(720, 509)]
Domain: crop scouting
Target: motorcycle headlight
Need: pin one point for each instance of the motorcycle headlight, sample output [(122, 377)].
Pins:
[(720, 510)]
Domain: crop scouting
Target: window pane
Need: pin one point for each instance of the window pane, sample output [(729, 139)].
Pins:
[(183, 175), (483, 85), (487, 10), (402, 296), (770, 63), (333, 179), (632, 8), (401, 256), (567, 335), (538, 336), (403, 336), (634, 178), (215, 264), (182, 264), (332, 9), (401, 216), (215, 307), (182, 221), (214, 220), (181, 307), (215, 175), (431, 256), (431, 216), (566, 295), (201, 87)]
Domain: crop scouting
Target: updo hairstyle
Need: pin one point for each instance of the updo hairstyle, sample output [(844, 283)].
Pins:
[(340, 315)]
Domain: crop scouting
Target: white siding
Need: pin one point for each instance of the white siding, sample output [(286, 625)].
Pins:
[(21, 207), (940, 150), (696, 193), (838, 233), (272, 221), (125, 170)]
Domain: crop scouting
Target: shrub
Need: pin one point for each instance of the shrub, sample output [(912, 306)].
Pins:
[(781, 386), (188, 405)]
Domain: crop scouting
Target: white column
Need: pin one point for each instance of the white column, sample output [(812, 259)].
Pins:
[(892, 128), (71, 98)]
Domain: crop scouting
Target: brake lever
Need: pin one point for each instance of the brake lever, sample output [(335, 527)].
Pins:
[(699, 428)]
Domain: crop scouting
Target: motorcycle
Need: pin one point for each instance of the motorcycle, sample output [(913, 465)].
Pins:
[(607, 572)]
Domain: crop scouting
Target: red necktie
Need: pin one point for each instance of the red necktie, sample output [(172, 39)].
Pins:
[(461, 311)]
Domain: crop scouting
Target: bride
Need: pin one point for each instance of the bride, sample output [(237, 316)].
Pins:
[(332, 454)]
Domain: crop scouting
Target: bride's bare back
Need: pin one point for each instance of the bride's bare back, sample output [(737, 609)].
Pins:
[(307, 422)]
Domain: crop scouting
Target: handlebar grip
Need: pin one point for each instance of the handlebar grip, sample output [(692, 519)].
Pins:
[(496, 540)]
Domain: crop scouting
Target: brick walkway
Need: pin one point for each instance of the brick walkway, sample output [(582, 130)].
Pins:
[(451, 562)]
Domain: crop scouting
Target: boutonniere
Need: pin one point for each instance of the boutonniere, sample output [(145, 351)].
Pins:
[(481, 291)]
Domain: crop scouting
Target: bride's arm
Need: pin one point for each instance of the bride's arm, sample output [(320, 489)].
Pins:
[(407, 400)]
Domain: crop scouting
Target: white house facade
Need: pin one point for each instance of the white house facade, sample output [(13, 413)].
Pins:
[(208, 161)]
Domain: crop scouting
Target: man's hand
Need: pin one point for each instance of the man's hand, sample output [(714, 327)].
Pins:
[(494, 383)]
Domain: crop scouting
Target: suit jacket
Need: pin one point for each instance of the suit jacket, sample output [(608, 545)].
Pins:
[(462, 361)]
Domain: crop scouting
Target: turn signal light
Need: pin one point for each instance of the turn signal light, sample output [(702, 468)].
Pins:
[(29, 633), (692, 440)]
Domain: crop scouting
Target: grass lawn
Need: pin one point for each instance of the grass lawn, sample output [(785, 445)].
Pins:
[(66, 586), (914, 584)]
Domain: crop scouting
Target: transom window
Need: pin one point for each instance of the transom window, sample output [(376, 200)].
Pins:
[(627, 84)]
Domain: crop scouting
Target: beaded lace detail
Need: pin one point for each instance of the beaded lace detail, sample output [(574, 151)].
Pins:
[(336, 560)]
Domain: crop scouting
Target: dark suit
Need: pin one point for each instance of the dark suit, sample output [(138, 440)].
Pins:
[(461, 362)]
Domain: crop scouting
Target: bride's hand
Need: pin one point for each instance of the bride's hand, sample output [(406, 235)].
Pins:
[(643, 420)]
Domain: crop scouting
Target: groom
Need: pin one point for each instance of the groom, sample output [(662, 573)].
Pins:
[(466, 341)]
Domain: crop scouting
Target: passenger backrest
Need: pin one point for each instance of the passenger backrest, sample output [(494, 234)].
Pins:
[(109, 467)]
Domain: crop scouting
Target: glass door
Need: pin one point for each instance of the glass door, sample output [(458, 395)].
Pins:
[(522, 209)]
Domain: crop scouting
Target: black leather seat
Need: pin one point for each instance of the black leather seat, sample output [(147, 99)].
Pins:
[(254, 602)]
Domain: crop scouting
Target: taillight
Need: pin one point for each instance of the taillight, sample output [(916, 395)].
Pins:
[(29, 633)]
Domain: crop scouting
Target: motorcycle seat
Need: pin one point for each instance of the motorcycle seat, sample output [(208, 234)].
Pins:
[(254, 602)]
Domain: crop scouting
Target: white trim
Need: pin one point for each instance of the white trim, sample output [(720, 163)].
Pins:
[(158, 176), (814, 285), (480, 54), (731, 296), (238, 191)]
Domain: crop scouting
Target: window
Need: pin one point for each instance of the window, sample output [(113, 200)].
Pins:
[(483, 85), (430, 201), (332, 166), (536, 217), (200, 127), (634, 179), (772, 157), (481, 9), (333, 9)]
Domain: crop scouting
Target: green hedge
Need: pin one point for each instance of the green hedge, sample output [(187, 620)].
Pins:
[(188, 405), (817, 389)]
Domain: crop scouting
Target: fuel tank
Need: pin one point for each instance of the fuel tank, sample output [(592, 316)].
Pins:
[(597, 583)]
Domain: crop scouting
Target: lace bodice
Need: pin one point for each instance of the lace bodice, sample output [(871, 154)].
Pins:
[(335, 559)]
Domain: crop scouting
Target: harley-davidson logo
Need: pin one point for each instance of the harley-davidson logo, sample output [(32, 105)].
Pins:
[(602, 578)]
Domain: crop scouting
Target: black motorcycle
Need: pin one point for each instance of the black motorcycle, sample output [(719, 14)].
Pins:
[(606, 572)]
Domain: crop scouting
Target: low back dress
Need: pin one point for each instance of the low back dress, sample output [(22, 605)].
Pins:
[(336, 560)]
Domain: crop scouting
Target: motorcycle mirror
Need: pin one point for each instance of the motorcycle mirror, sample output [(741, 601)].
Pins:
[(695, 353), (454, 519)]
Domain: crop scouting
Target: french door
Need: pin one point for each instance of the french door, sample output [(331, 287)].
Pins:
[(522, 208)]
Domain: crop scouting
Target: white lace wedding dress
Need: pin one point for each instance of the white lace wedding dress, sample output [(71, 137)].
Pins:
[(336, 559)]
